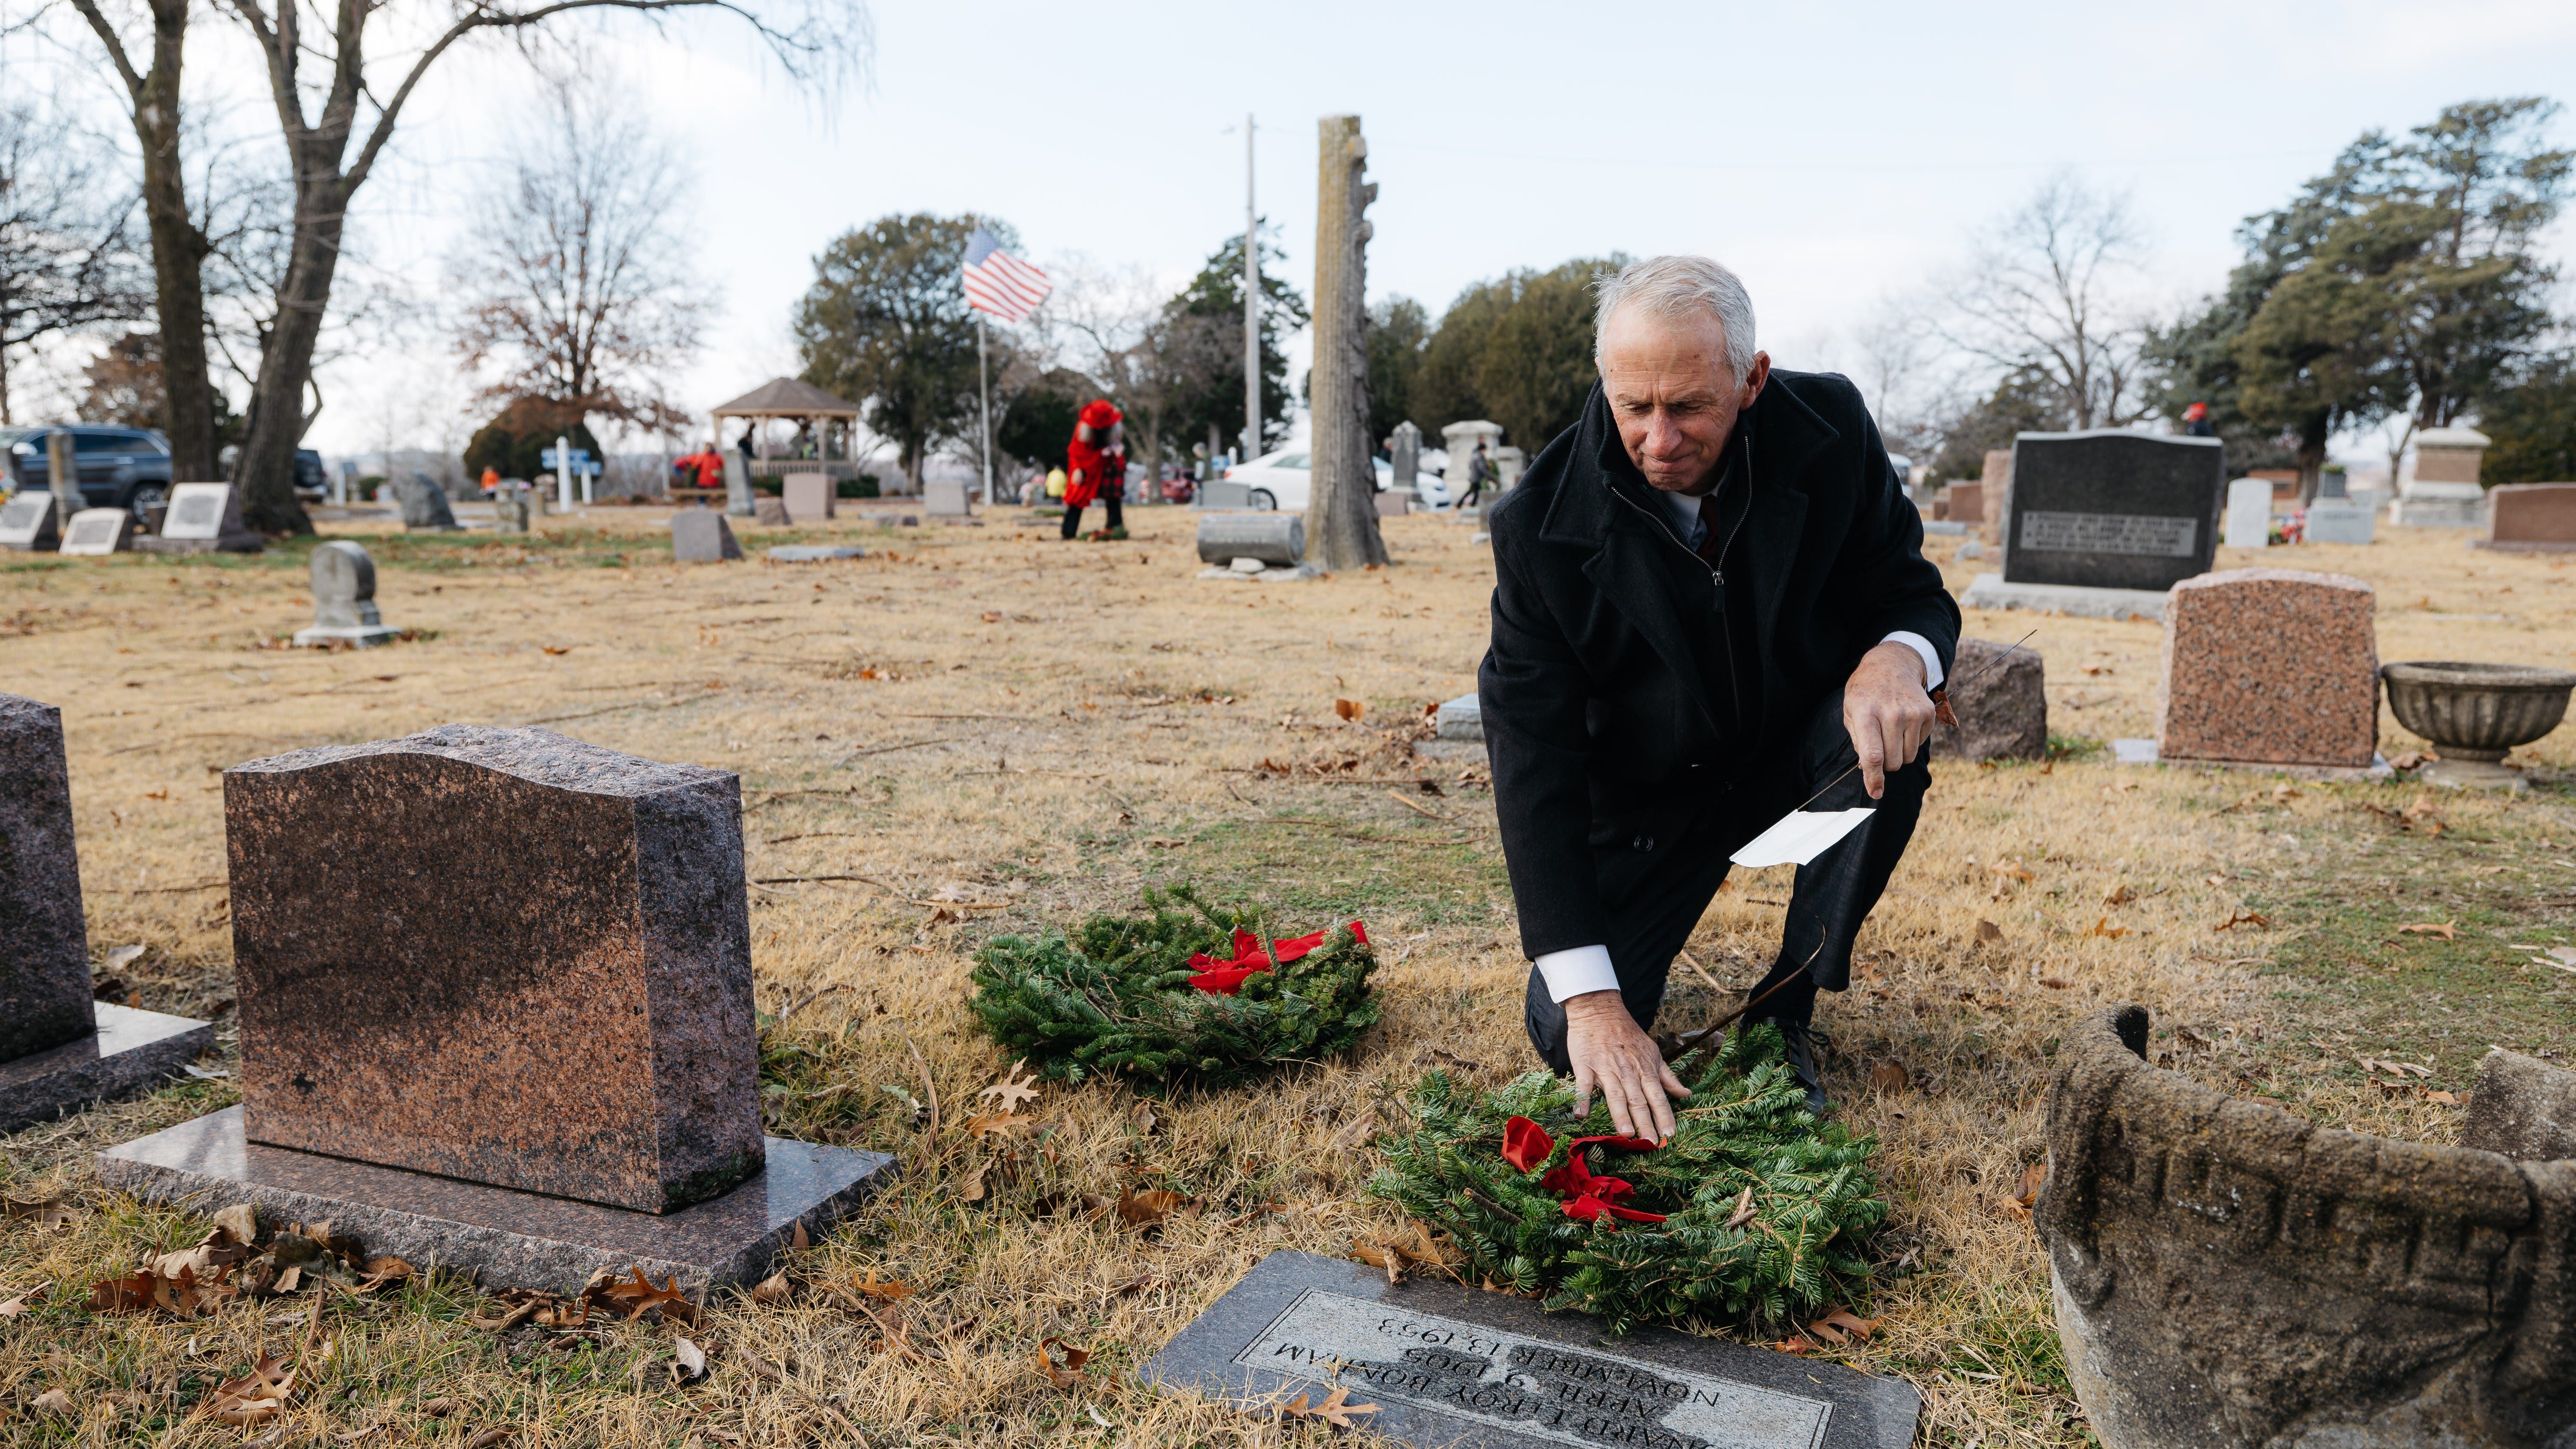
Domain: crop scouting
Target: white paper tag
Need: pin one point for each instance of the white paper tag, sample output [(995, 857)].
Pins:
[(1801, 836)]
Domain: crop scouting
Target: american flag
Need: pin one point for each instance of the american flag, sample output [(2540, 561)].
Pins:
[(1000, 283)]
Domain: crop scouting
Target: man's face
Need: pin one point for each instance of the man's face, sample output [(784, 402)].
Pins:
[(1671, 394)]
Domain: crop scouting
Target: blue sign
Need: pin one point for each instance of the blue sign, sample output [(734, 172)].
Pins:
[(580, 459)]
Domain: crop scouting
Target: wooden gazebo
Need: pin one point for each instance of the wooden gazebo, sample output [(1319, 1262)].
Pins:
[(786, 397)]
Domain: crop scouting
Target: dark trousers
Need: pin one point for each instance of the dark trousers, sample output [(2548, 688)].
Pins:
[(1073, 515), (1657, 890)]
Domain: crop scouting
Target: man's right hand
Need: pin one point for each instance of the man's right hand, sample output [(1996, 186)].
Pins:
[(1609, 1051)]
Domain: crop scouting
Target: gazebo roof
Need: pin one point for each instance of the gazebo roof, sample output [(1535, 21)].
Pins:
[(785, 397)]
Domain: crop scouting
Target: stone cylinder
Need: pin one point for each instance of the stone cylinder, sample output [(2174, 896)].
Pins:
[(1277, 539)]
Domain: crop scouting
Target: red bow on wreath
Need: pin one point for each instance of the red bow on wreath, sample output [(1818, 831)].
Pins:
[(1587, 1195), (1225, 978)]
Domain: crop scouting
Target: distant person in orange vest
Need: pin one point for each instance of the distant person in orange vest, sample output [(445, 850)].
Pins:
[(491, 480)]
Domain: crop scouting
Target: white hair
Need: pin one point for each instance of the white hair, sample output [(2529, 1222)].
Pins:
[(1674, 287)]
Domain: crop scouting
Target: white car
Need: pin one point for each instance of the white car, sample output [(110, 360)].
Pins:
[(1282, 480)]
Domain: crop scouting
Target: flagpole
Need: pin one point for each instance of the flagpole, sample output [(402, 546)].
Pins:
[(984, 383)]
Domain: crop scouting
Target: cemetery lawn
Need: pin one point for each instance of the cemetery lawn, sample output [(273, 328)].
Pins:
[(982, 730)]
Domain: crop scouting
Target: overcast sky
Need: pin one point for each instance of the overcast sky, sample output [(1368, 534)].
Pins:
[(1832, 155)]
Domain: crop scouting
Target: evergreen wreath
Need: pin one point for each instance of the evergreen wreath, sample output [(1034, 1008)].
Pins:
[(1180, 990), (1749, 1211)]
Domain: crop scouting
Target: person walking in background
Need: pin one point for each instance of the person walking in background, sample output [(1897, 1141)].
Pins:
[(1480, 471), (1096, 466), (745, 447), (491, 480), (2195, 421)]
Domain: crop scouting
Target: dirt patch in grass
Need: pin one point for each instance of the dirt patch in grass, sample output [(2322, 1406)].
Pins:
[(986, 716)]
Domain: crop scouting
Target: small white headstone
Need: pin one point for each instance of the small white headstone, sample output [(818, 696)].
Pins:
[(98, 531), (2249, 513), (946, 498), (203, 511), (28, 521), (344, 598)]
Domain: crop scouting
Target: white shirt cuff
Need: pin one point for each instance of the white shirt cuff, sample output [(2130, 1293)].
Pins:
[(1922, 646), (1572, 973)]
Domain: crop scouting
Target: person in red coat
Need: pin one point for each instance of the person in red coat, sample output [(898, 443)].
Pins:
[(1095, 464)]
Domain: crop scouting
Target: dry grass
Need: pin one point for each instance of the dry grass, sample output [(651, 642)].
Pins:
[(988, 715)]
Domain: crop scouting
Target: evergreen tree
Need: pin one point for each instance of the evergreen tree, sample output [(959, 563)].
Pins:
[(1213, 303)]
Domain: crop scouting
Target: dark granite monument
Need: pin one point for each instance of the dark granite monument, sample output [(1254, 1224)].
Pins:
[(2113, 510), (424, 505), (701, 535), (542, 1003), (1447, 1366), (59, 1051)]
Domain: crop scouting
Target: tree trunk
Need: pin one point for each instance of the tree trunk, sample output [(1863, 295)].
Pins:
[(1341, 508), (2312, 454), (265, 473)]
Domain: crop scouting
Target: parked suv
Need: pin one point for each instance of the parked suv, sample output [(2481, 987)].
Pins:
[(118, 467)]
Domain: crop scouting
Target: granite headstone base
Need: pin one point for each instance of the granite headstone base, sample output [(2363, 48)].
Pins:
[(1448, 1366), (1989, 591), (228, 543), (132, 1051), (500, 1237), (2145, 752)]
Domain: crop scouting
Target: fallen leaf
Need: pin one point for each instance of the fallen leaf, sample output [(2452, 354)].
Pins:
[(2055, 983), (1350, 709), (1885, 1077), (2412, 759), (990, 617), (1144, 1209), (2033, 1178), (972, 1188), (54, 1401), (2284, 791), (46, 1212), (1988, 930), (254, 1398), (999, 1123), (124, 956), (640, 1297), (800, 1242), (2119, 897), (688, 1363), (552, 649), (1839, 1317), (772, 1289), (2245, 918), (891, 1289), (438, 1408), (1357, 1133), (1335, 1410), (1795, 1343), (2012, 870), (1009, 1093), (1434, 1056), (488, 1438), (18, 1305), (2447, 1099), (1070, 1374), (2103, 927), (2447, 930)]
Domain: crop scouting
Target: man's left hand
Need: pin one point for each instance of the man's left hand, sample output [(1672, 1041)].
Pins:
[(1887, 713)]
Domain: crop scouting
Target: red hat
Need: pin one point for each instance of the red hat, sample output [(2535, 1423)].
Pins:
[(2195, 412), (1100, 413)]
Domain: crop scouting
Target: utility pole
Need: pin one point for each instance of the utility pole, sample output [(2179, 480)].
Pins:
[(984, 384), (1251, 306)]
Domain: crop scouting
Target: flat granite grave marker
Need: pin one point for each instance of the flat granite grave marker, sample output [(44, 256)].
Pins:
[(2531, 518), (1446, 1366), (2101, 523), (344, 599), (525, 1046), (203, 518), (59, 1050), (99, 531), (30, 522)]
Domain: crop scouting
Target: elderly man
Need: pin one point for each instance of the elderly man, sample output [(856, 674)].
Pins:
[(1710, 603)]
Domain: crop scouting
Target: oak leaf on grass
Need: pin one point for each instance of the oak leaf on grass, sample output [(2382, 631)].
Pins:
[(255, 1397), (1069, 1374), (641, 1296), (1336, 1409), (1011, 1091)]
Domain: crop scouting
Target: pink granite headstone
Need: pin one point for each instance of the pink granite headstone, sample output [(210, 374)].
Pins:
[(2269, 666), (2532, 517)]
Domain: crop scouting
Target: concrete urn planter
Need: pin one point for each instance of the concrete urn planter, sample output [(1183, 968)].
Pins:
[(2473, 713), (2227, 1274)]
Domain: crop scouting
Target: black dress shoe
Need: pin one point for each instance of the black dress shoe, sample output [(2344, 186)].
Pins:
[(1803, 1040)]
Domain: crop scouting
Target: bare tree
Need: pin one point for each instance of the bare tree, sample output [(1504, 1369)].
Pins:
[(333, 95), (576, 286), (2044, 296), (1894, 360), (68, 254)]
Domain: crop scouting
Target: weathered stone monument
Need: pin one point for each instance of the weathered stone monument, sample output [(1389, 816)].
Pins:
[(947, 498), (514, 507), (31, 522), (1404, 458), (99, 531), (1445, 1366), (2103, 522), (1994, 495), (527, 1048), (424, 505), (344, 599), (1341, 506), (203, 518), (2270, 667), (2249, 513), (2002, 707), (701, 535), (1274, 544), (2229, 1276), (2437, 483), (807, 497), (60, 1051), (2531, 518), (1964, 504), (2335, 516)]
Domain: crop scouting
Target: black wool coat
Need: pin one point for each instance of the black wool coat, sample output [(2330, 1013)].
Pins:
[(1598, 712)]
